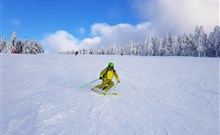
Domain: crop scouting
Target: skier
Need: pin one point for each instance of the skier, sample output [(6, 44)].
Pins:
[(106, 76), (76, 53)]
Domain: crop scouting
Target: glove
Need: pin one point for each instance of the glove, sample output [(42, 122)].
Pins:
[(100, 77), (118, 81)]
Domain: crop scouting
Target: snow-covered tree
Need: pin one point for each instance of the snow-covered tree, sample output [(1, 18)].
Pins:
[(133, 48), (176, 46), (201, 49), (214, 42), (184, 49), (156, 46), (20, 46), (200, 39), (168, 44), (40, 48), (7, 49), (13, 38), (192, 49), (196, 44), (151, 47), (162, 47), (3, 44), (114, 49)]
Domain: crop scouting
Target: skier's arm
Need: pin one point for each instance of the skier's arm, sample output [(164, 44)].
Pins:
[(116, 76), (103, 72)]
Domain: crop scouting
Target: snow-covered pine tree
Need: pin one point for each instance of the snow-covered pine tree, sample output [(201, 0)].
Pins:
[(7, 48), (162, 47), (132, 48), (26, 48), (176, 46), (151, 47), (191, 45), (168, 44), (200, 49), (3, 44), (13, 42), (119, 50), (126, 50), (13, 38), (31, 47), (200, 41), (198, 33), (183, 45), (114, 49), (214, 42), (143, 48), (40, 48), (156, 45), (19, 46)]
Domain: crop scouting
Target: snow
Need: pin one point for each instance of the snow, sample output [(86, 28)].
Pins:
[(157, 95)]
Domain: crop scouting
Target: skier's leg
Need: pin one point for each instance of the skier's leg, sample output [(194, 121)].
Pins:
[(104, 88), (110, 85), (104, 82)]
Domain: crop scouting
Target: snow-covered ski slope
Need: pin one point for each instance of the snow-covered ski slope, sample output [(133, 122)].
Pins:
[(157, 96)]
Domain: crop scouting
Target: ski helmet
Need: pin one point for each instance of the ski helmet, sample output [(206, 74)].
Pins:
[(111, 65)]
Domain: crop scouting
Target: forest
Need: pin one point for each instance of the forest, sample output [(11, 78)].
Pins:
[(198, 44)]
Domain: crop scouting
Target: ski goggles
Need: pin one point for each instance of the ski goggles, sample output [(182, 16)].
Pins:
[(111, 67)]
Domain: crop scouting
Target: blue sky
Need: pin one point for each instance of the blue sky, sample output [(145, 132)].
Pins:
[(71, 24), (34, 18)]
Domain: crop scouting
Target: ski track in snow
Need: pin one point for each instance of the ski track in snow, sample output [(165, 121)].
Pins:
[(157, 96)]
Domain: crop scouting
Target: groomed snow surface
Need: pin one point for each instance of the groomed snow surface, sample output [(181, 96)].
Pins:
[(157, 95)]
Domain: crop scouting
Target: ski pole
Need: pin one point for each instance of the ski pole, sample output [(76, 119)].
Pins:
[(88, 83), (116, 85)]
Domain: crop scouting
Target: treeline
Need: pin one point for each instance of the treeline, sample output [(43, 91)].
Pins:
[(20, 46), (197, 44)]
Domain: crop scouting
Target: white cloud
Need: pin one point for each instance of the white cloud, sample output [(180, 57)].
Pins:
[(121, 33), (90, 42), (175, 15), (180, 15), (60, 41), (103, 35)]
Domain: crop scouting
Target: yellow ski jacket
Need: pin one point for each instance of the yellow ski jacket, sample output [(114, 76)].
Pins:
[(109, 73)]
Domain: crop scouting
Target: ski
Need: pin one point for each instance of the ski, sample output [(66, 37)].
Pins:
[(104, 93), (100, 92), (109, 93), (113, 93)]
